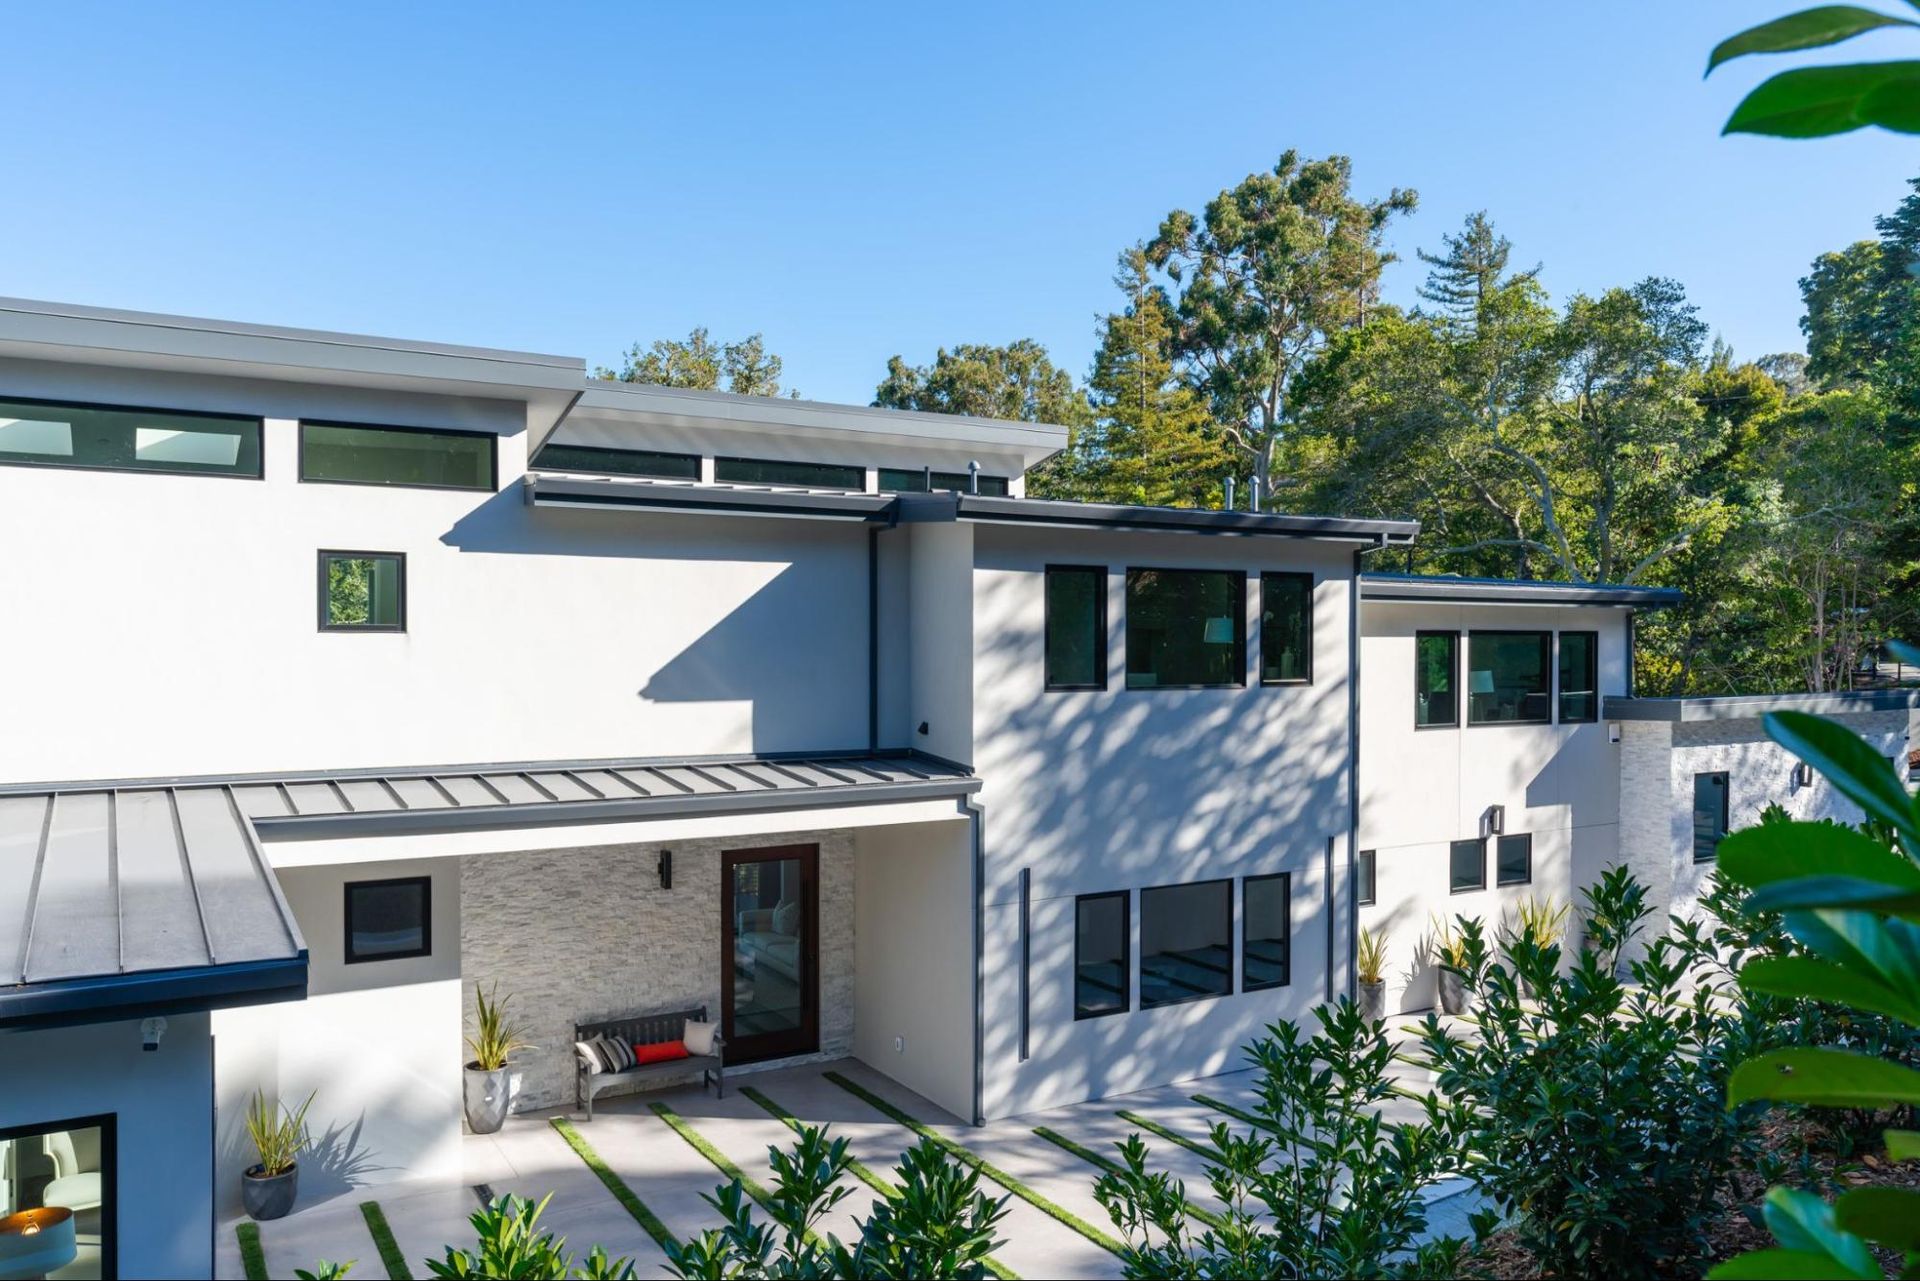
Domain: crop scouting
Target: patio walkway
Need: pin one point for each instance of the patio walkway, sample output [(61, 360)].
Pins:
[(531, 1158)]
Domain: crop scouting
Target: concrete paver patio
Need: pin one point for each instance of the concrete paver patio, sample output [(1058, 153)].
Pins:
[(530, 1158)]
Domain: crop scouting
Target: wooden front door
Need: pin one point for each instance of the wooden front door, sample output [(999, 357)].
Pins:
[(770, 952)]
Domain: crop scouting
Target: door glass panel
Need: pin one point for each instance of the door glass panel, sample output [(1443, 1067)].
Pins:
[(769, 947)]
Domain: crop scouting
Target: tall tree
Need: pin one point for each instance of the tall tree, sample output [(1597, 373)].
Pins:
[(1269, 272), (1017, 381), (1470, 269), (700, 364)]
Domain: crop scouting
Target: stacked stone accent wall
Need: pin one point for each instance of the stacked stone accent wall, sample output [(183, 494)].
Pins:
[(585, 934)]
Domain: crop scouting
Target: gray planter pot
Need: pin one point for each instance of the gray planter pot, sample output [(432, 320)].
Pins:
[(1373, 1001), (268, 1196), (487, 1098), (1453, 992)]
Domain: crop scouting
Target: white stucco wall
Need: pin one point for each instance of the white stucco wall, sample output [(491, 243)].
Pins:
[(1125, 789), (913, 908), (162, 1103), (1421, 789)]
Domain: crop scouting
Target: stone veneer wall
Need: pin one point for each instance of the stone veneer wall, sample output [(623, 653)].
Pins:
[(584, 934)]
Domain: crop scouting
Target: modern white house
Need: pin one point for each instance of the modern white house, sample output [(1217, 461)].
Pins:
[(351, 676)]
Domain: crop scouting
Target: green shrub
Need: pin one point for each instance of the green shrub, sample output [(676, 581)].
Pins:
[(1320, 1186), (1596, 1114), (512, 1246)]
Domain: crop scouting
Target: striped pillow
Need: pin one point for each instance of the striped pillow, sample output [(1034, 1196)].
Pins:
[(618, 1053)]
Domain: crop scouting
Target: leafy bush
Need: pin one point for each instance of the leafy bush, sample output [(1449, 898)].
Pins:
[(1596, 1115), (511, 1245), (937, 1225), (1318, 1186)]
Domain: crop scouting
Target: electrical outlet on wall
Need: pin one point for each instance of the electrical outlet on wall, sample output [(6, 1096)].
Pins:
[(899, 1045)]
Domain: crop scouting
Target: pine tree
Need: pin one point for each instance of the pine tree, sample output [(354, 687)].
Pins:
[(1469, 270)]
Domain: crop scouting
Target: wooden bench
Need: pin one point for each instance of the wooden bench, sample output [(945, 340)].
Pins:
[(645, 1029)]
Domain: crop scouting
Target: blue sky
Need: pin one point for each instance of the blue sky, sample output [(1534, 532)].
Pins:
[(859, 181)]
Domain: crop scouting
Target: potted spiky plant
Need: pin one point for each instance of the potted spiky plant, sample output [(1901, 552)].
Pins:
[(487, 1091), (268, 1188), (1447, 947), (1541, 920), (1370, 958)]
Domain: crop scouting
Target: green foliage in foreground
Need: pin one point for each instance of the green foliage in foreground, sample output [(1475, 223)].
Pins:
[(1319, 1186), (1815, 102), (511, 1245)]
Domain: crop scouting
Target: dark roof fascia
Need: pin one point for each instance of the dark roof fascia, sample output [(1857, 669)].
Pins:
[(312, 827), (1512, 591), (116, 997), (574, 491), (1050, 513), (1733, 707)]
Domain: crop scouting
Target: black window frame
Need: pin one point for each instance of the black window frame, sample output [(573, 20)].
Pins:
[(1366, 878), (1286, 938), (1500, 878), (89, 406), (426, 919), (493, 456), (1102, 634), (1312, 584), (1453, 851), (1548, 667), (1239, 579), (1453, 671), (1593, 678), (1725, 817), (377, 629), (108, 1123), (1228, 934), (603, 453), (991, 486), (1126, 954), (720, 461)]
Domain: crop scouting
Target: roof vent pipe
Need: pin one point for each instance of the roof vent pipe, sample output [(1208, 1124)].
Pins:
[(1228, 504), (1253, 494), (973, 476)]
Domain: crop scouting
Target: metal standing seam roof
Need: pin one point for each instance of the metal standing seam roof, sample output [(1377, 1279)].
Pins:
[(1454, 590), (126, 895)]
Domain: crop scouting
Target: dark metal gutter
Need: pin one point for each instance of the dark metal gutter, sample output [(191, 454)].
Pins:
[(575, 491), (114, 997), (1512, 591), (1053, 514)]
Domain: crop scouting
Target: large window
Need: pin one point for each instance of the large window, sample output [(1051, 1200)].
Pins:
[(1513, 860), (389, 920), (1709, 814), (406, 456), (1366, 874), (767, 471), (1099, 954), (1186, 942), (59, 1190), (618, 462), (363, 592), (1266, 932), (918, 480), (1436, 678), (1185, 628), (43, 434), (1579, 677), (1286, 628), (1076, 627), (1467, 866), (1509, 676)]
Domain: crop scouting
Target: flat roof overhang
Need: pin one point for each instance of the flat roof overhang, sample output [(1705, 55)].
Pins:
[(1734, 707), (559, 490), (112, 998), (1055, 514), (1512, 591)]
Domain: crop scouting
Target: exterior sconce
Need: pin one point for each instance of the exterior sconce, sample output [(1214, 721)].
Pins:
[(1803, 775), (1613, 732), (666, 869), (1494, 821)]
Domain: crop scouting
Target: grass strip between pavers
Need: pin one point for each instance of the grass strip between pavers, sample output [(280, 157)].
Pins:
[(1094, 1159), (396, 1262), (1051, 1209), (862, 1171), (1154, 1127), (253, 1259), (625, 1195), (721, 1161), (1238, 1114)]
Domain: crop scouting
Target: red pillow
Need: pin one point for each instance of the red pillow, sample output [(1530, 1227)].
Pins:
[(659, 1052)]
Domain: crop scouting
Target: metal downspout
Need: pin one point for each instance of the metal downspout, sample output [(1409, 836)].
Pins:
[(873, 638), (977, 815)]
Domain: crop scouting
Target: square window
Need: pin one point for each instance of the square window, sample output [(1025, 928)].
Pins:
[(1513, 860), (410, 457), (389, 920), (1186, 943), (1076, 627), (1366, 872), (1509, 677), (363, 592), (918, 480), (1579, 677), (1100, 954), (1436, 668), (1709, 814), (1286, 629), (1266, 932), (1467, 866), (60, 1177), (1186, 628)]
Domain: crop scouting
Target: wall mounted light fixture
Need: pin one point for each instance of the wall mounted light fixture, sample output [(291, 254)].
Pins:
[(666, 869), (1803, 775), (1494, 821)]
